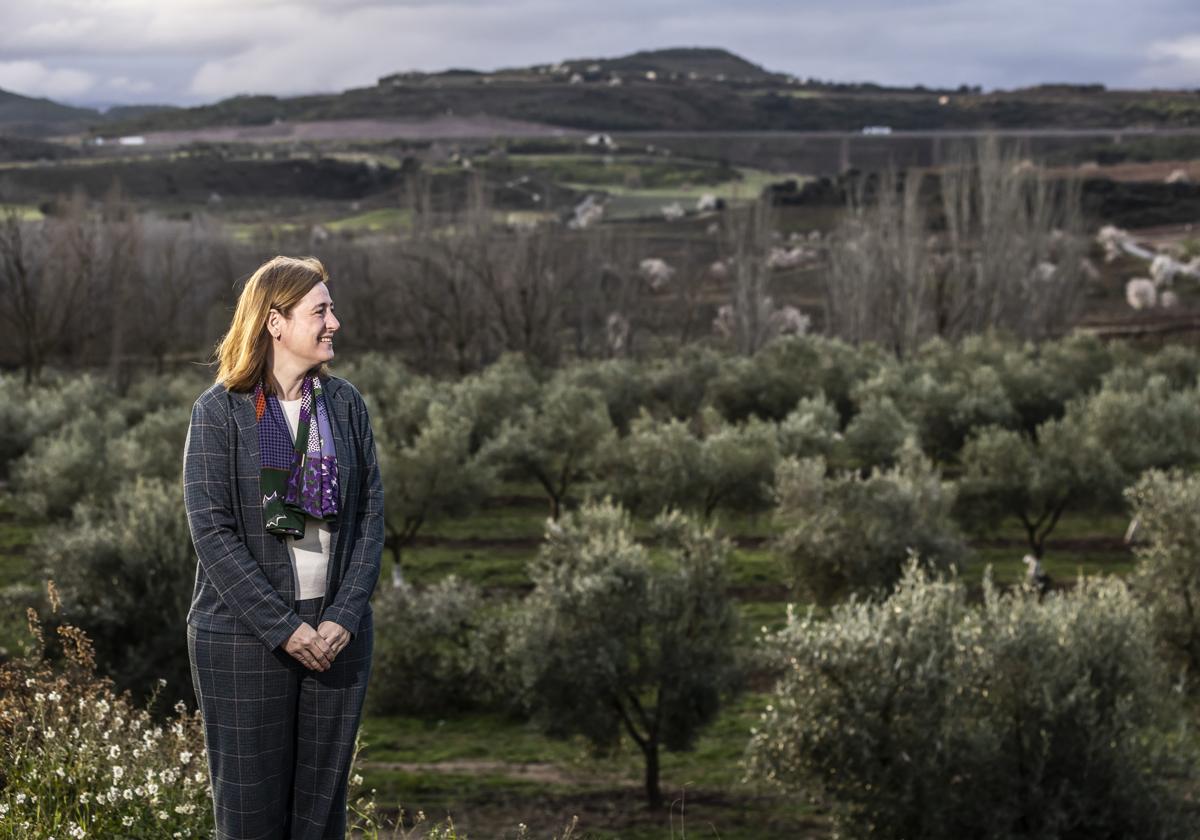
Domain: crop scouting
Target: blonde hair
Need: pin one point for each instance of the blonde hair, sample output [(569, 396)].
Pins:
[(280, 283)]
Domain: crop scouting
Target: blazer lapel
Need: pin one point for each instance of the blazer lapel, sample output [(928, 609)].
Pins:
[(247, 423)]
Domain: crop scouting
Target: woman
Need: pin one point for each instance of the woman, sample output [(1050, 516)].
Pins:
[(285, 506)]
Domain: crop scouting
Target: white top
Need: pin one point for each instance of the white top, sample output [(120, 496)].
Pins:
[(310, 553)]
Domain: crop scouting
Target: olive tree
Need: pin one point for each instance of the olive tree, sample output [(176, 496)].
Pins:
[(875, 436), (125, 568), (846, 533), (554, 442), (664, 464), (620, 639), (924, 716), (945, 392), (1143, 423), (1167, 578), (436, 649), (430, 476), (811, 428), (1033, 479)]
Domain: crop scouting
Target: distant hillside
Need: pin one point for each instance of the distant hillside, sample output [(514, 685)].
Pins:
[(30, 117), (684, 89)]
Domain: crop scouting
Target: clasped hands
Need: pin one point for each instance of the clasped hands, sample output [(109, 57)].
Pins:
[(316, 649)]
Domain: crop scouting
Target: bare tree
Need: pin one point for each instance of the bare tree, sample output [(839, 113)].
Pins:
[(880, 281), (1009, 254), (174, 280), (40, 304), (746, 241), (121, 254)]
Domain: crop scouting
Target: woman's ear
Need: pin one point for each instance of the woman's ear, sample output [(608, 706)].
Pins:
[(274, 327)]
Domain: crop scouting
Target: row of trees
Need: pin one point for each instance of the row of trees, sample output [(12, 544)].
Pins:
[(968, 434), (996, 245), (919, 713), (638, 638)]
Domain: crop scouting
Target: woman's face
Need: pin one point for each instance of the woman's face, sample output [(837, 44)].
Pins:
[(307, 334)]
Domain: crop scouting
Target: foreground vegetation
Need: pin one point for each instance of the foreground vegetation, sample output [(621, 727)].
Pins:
[(803, 474)]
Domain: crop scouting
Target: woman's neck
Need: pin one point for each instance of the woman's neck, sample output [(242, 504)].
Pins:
[(289, 377)]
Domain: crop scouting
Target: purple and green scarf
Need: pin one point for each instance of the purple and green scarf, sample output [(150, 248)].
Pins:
[(298, 479)]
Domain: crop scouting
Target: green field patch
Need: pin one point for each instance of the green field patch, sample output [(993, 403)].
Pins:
[(755, 567), (24, 212), (1074, 524), (462, 737), (630, 202), (756, 615), (1062, 566), (386, 218), (502, 522), (486, 567)]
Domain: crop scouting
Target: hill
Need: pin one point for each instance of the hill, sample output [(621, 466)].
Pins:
[(31, 117), (692, 89), (679, 89)]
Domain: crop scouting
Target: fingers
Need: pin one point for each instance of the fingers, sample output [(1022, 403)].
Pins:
[(321, 652), (311, 649)]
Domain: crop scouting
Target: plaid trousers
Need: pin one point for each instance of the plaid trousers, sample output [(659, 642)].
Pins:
[(280, 738)]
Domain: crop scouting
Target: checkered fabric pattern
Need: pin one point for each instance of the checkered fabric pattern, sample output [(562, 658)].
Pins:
[(280, 737), (244, 580), (243, 609)]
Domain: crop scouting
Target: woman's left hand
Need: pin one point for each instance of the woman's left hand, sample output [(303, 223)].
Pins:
[(335, 635)]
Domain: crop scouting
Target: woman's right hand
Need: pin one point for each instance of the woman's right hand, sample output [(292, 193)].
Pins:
[(309, 648)]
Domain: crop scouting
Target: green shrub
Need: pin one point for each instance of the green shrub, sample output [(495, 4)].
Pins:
[(811, 428), (69, 464), (1167, 579), (847, 533), (922, 716), (436, 650), (127, 568), (664, 465), (875, 436)]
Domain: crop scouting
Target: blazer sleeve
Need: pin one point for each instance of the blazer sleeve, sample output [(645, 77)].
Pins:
[(224, 557), (362, 571)]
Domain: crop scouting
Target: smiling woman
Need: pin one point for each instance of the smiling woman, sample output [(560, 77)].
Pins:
[(279, 463)]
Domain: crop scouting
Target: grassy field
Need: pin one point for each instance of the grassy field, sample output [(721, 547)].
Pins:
[(490, 772)]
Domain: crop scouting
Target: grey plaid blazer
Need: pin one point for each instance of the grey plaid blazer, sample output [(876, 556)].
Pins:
[(244, 578)]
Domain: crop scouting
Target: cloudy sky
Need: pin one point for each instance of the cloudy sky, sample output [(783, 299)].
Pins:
[(99, 52)]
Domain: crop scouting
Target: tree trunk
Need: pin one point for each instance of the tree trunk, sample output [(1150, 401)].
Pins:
[(654, 797), (394, 543)]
